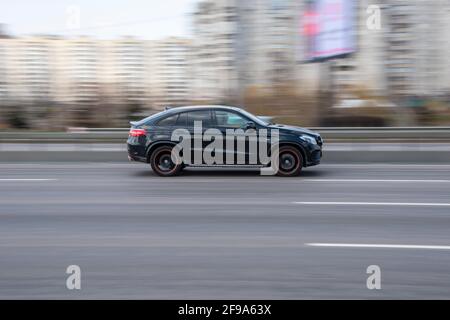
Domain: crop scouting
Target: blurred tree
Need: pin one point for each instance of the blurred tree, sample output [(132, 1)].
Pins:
[(284, 102), (16, 117)]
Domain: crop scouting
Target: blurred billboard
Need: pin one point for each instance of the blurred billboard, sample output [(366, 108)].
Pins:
[(329, 27)]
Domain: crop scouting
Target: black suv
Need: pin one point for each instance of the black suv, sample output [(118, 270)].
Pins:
[(150, 140)]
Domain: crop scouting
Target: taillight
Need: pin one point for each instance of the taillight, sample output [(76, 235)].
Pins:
[(137, 132)]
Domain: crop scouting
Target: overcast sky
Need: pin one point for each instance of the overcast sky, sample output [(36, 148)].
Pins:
[(105, 19)]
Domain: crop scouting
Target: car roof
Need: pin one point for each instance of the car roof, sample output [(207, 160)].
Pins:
[(201, 107), (175, 110)]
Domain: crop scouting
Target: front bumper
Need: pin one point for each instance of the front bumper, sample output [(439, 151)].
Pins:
[(315, 156)]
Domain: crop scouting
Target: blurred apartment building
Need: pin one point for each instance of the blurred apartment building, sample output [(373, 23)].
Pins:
[(3, 75), (408, 56), (26, 66), (86, 71), (170, 74), (364, 70), (123, 69), (243, 44), (268, 40), (215, 32), (417, 57), (77, 72)]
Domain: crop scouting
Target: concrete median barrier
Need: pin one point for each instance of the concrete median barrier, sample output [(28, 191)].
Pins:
[(334, 153)]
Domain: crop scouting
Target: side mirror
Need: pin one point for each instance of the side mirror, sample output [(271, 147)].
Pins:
[(250, 125)]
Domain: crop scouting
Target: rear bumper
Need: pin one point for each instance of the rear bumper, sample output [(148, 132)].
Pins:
[(134, 154), (136, 159)]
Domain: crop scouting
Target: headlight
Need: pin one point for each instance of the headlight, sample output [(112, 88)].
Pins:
[(309, 139)]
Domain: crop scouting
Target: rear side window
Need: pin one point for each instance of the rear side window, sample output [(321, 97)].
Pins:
[(201, 115), (182, 119), (169, 121)]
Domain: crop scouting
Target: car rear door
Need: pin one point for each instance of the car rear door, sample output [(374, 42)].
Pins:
[(198, 144)]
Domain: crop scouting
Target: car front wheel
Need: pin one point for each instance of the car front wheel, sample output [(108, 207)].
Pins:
[(290, 163)]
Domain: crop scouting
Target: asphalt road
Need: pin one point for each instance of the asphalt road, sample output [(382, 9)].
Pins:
[(224, 234)]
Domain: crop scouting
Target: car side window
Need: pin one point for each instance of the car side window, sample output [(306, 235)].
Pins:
[(229, 119), (201, 115), (182, 119), (169, 121)]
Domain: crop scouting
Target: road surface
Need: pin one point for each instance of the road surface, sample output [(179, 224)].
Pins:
[(224, 234)]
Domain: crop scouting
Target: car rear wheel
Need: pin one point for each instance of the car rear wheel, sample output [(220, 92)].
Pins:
[(162, 164), (290, 163)]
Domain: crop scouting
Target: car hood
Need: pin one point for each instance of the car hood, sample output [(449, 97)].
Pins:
[(294, 130)]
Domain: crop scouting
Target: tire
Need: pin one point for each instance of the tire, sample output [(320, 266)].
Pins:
[(161, 162), (290, 163)]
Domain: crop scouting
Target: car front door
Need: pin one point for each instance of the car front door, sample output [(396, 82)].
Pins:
[(234, 153)]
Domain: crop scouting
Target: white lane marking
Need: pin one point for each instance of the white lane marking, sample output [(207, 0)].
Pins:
[(257, 180), (384, 165), (410, 204), (376, 180), (28, 179), (231, 179), (387, 246), (128, 165)]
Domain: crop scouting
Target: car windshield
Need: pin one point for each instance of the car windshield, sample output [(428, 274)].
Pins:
[(254, 118)]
